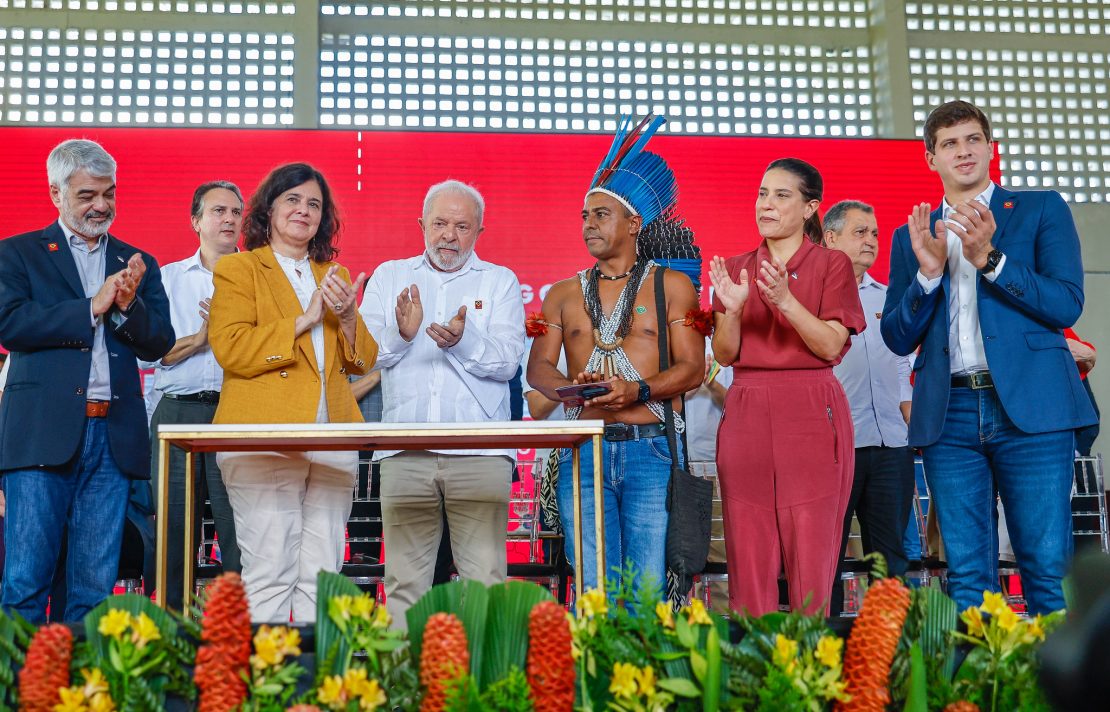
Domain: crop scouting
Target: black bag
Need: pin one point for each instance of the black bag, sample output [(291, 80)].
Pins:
[(689, 498)]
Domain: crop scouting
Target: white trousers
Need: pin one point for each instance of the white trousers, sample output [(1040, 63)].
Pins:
[(291, 511)]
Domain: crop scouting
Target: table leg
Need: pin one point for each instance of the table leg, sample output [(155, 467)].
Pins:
[(576, 470), (599, 513), (190, 519), (162, 525)]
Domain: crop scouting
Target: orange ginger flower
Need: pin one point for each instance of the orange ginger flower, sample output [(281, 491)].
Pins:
[(46, 669), (550, 662), (444, 657), (223, 659), (962, 706), (304, 708), (871, 646)]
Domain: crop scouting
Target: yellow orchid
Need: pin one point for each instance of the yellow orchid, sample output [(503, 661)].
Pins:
[(102, 702), (1034, 629), (786, 652), (697, 614), (94, 682), (973, 619), (354, 681), (372, 696), (1007, 619), (593, 603), (993, 603), (362, 607), (114, 623), (623, 682), (72, 700), (267, 651), (144, 630), (665, 614), (646, 680), (331, 692), (381, 618), (340, 607), (828, 650)]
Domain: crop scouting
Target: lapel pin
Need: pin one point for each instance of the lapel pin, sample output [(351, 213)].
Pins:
[(794, 275), (53, 247), (477, 303), (1008, 204), (121, 259)]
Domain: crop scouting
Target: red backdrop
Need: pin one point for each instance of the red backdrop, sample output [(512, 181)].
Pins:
[(533, 185)]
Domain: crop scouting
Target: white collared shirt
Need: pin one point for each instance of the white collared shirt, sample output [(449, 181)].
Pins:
[(188, 282), (92, 271), (299, 274), (966, 352), (466, 383)]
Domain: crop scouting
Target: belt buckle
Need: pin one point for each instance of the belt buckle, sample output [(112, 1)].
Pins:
[(616, 431), (979, 380)]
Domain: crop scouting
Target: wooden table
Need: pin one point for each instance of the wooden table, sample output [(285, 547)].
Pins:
[(371, 436)]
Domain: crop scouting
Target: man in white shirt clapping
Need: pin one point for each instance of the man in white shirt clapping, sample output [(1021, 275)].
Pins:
[(450, 329)]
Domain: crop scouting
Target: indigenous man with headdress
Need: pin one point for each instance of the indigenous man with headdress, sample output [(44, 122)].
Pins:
[(605, 318)]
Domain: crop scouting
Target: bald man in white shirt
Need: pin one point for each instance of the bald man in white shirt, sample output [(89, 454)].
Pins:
[(450, 330)]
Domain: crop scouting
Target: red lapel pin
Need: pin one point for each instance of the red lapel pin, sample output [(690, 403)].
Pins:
[(1008, 204), (53, 247), (477, 303)]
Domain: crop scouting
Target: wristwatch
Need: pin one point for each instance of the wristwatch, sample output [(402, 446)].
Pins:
[(645, 391), (993, 258)]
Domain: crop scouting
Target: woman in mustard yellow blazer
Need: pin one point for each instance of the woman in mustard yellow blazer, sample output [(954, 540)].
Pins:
[(285, 327)]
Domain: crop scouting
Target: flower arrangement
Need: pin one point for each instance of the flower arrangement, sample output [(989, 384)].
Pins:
[(511, 648)]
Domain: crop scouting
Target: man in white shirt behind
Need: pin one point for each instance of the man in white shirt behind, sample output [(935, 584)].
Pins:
[(188, 379), (450, 330)]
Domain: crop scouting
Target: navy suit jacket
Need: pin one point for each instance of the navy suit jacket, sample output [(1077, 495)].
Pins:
[(45, 323), (1022, 315)]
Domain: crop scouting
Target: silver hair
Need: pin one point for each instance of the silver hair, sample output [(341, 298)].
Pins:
[(457, 187), (838, 214), (77, 154)]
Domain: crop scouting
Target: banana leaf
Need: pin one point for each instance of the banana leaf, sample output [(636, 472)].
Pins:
[(506, 636), (940, 620), (332, 649)]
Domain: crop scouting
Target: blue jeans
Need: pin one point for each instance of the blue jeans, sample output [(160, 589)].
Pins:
[(87, 497), (635, 480), (980, 453)]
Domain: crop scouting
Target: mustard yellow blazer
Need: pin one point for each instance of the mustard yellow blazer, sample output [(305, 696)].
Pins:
[(270, 376)]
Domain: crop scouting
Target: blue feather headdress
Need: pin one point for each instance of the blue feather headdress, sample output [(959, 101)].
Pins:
[(641, 181), (645, 184)]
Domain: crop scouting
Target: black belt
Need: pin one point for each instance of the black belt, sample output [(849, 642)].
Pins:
[(211, 397), (616, 432), (974, 381)]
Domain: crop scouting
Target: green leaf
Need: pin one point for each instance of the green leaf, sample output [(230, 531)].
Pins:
[(711, 699), (506, 634), (331, 646), (684, 632), (467, 599), (700, 666), (918, 698), (679, 686)]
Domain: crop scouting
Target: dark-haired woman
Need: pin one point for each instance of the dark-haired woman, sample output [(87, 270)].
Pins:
[(785, 446), (285, 327)]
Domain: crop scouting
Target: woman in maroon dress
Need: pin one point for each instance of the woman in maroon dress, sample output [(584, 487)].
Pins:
[(785, 451)]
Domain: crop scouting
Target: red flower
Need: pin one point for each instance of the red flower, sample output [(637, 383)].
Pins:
[(46, 669), (702, 321), (535, 325)]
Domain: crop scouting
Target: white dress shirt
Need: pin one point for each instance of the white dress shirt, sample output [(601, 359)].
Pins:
[(92, 271), (466, 383), (299, 273), (188, 282), (966, 353), (875, 379)]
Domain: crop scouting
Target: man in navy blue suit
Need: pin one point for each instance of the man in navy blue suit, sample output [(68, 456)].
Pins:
[(77, 307), (985, 285)]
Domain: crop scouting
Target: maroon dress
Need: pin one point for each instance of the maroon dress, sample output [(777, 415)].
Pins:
[(785, 446)]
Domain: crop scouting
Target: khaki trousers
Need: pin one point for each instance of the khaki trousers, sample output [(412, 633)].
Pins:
[(417, 488)]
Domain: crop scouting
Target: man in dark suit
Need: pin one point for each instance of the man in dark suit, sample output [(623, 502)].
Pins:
[(77, 307), (985, 285)]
